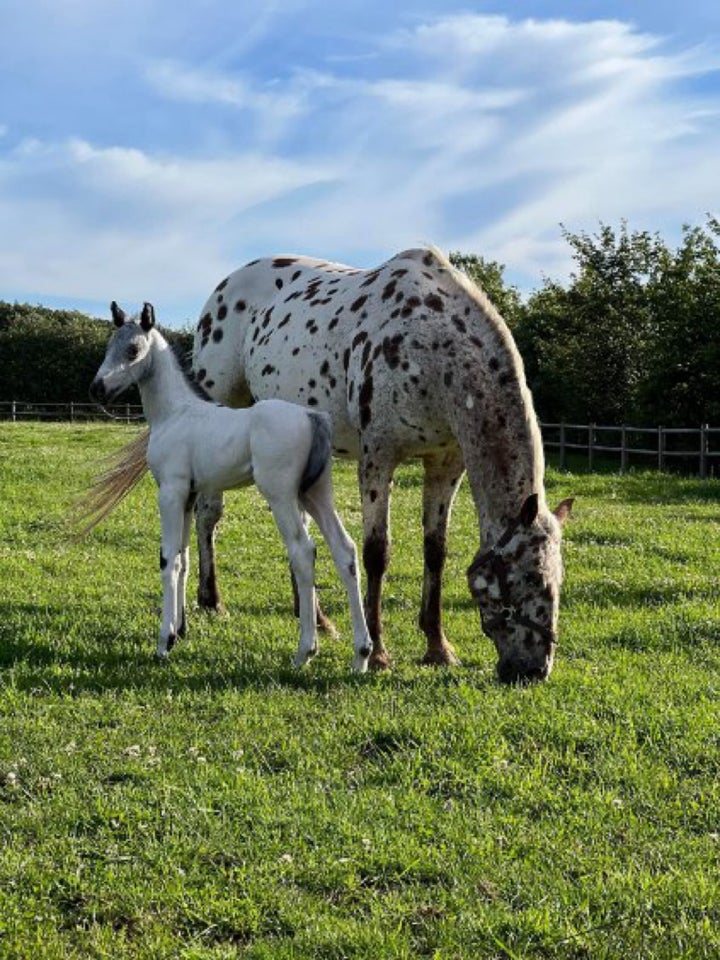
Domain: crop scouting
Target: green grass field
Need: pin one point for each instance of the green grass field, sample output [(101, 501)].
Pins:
[(223, 805)]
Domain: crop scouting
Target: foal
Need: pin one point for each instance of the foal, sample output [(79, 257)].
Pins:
[(197, 446)]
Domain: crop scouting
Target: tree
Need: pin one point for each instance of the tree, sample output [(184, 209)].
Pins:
[(587, 346), (51, 356)]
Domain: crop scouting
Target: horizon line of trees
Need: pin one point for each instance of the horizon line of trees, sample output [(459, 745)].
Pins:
[(633, 335)]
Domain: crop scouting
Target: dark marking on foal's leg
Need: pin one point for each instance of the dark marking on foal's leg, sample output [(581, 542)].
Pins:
[(163, 561), (322, 621), (171, 640)]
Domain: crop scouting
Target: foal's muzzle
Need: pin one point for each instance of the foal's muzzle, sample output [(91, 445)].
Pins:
[(98, 391)]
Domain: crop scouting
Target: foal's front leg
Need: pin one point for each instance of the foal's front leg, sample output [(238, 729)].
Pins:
[(173, 523)]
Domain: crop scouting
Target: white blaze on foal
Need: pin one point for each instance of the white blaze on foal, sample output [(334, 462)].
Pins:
[(197, 446)]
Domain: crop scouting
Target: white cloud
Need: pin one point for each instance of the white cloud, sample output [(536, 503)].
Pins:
[(476, 132)]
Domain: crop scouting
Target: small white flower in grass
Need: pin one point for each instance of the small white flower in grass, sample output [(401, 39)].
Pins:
[(366, 842), (286, 858), (617, 803), (134, 751), (11, 779)]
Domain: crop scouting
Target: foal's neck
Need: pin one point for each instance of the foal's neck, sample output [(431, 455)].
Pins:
[(165, 388)]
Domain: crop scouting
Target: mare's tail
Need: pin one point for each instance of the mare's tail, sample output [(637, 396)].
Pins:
[(320, 449), (124, 470)]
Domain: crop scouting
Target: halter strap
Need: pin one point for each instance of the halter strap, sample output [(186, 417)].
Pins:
[(508, 613)]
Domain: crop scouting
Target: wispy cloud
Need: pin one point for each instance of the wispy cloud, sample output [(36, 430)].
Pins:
[(476, 132)]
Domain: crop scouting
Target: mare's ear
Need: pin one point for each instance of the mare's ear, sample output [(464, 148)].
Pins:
[(118, 315), (147, 317), (563, 510), (529, 510)]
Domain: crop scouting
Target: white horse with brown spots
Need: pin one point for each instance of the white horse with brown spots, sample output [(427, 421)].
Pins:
[(411, 360), (197, 446)]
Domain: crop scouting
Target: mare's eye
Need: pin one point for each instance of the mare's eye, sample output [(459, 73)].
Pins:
[(133, 352)]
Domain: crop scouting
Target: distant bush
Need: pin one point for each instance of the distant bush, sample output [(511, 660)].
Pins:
[(51, 356)]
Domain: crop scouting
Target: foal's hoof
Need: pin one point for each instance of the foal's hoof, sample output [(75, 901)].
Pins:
[(443, 656), (300, 659)]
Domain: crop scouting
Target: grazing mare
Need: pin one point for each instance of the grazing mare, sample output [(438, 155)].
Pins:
[(411, 360), (197, 446)]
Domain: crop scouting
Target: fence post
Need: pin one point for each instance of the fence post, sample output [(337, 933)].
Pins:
[(72, 411), (14, 411), (562, 446), (127, 413), (704, 427), (661, 448), (591, 444), (623, 449)]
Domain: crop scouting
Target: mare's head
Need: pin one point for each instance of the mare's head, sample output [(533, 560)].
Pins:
[(128, 356), (516, 582)]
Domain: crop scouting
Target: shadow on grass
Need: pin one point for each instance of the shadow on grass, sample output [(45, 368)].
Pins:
[(62, 668)]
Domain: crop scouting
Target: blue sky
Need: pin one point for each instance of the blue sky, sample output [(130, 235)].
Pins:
[(148, 148)]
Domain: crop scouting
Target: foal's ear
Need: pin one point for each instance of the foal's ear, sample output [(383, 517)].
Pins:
[(118, 315), (147, 317), (562, 510), (529, 510)]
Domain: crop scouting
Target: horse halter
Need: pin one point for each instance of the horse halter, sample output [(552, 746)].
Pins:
[(508, 614)]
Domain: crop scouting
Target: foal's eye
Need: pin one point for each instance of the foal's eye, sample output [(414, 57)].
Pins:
[(133, 352)]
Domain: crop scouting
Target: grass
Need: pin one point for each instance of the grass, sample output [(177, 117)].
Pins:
[(224, 805)]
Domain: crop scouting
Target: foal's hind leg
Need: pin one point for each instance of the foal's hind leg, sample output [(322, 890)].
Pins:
[(209, 513), (322, 621), (319, 502), (301, 554), (442, 478)]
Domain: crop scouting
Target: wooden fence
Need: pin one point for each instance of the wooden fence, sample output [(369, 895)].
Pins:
[(16, 410), (690, 449)]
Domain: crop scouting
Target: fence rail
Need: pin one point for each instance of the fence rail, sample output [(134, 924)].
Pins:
[(690, 448), (694, 449), (16, 410)]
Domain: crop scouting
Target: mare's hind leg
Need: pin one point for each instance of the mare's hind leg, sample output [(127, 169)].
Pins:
[(322, 621), (375, 478), (209, 512), (319, 502), (184, 567), (443, 473)]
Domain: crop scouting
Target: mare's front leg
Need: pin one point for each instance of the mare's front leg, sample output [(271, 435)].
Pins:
[(209, 513), (443, 474), (173, 522), (375, 478)]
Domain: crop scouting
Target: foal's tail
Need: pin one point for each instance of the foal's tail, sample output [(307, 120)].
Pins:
[(125, 468), (320, 449)]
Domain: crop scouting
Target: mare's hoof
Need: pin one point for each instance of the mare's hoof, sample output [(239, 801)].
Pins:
[(443, 656), (380, 661), (325, 625)]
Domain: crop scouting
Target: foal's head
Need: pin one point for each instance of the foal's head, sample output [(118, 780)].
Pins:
[(516, 582), (127, 358)]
